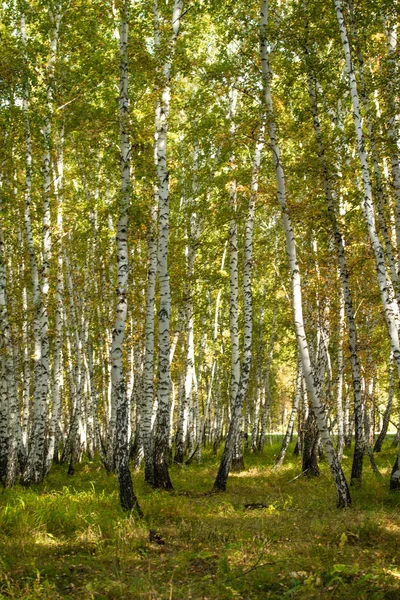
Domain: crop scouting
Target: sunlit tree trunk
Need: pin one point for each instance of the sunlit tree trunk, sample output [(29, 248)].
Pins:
[(226, 460), (343, 495), (127, 496), (379, 189), (161, 435), (289, 431), (390, 306), (34, 471), (57, 365), (344, 277), (12, 438), (386, 417)]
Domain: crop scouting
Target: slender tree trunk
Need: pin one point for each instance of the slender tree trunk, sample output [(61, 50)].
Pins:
[(392, 131), (13, 437), (148, 374), (339, 378), (343, 495), (57, 366), (34, 470), (266, 391), (127, 496), (386, 417), (379, 190), (289, 431), (344, 277), (161, 436), (390, 306), (223, 472)]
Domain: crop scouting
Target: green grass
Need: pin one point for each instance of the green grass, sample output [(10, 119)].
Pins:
[(68, 538)]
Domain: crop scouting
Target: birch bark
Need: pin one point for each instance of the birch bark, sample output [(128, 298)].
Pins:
[(344, 277), (127, 496), (390, 306), (342, 491), (226, 460), (34, 470), (148, 374), (161, 437), (57, 364), (14, 435)]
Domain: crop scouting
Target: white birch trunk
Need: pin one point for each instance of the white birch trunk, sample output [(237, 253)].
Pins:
[(34, 468), (148, 373), (344, 277), (127, 496), (14, 435), (57, 365), (343, 495), (339, 378), (161, 438), (234, 427), (380, 196), (392, 131), (390, 306)]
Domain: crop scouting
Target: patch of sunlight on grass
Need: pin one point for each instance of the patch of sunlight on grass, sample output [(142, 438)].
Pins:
[(271, 535), (394, 573), (251, 472), (45, 539)]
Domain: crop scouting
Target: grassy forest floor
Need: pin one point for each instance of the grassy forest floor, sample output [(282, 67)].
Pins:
[(68, 538)]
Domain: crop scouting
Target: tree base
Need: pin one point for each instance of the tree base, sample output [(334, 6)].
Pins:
[(126, 494), (161, 476), (395, 475), (237, 464)]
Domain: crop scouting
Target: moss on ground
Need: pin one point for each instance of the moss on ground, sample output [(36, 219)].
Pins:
[(68, 538)]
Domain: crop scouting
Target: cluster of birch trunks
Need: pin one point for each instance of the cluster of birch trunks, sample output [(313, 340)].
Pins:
[(82, 372)]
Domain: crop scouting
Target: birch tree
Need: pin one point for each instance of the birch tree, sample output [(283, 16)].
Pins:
[(161, 435), (126, 493), (342, 491), (390, 306)]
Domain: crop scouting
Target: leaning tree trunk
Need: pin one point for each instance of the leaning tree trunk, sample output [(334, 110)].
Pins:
[(342, 490), (344, 277), (390, 306), (379, 188)]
